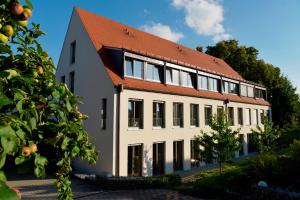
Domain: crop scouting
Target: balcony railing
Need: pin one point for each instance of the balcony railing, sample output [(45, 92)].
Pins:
[(135, 122)]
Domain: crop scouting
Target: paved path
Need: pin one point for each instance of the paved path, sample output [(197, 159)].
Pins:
[(41, 189)]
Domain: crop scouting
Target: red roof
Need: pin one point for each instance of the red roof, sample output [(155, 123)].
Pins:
[(105, 32)]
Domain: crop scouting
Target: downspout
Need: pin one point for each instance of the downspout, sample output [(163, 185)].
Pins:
[(118, 117)]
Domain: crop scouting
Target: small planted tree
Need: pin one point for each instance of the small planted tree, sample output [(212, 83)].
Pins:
[(218, 145), (35, 111), (265, 136)]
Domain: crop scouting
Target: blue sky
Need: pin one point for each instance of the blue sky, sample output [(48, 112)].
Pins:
[(271, 26)]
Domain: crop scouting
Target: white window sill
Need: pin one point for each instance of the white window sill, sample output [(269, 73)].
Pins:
[(177, 127), (133, 129), (157, 128)]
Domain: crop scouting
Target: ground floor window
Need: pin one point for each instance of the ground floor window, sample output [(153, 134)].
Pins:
[(178, 155), (241, 143), (251, 143), (158, 158), (135, 155), (194, 154)]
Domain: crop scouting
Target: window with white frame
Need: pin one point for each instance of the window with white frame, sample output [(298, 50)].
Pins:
[(135, 113), (244, 90), (194, 115), (250, 92), (202, 82), (212, 84), (248, 117), (255, 117), (154, 73), (158, 114), (172, 76), (178, 114), (134, 68)]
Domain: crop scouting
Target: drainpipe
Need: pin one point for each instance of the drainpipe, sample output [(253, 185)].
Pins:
[(120, 89)]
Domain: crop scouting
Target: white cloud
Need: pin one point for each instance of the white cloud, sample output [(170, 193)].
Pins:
[(163, 31), (204, 16)]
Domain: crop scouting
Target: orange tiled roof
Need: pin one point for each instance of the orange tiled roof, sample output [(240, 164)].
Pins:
[(105, 32)]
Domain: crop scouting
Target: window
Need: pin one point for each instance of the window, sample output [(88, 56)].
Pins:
[(103, 114), (73, 52), (203, 82), (194, 115), (225, 87), (135, 161), (134, 68), (255, 114), (135, 113), (159, 114), (241, 143), (72, 77), (231, 116), (262, 116), (213, 84), (158, 158), (129, 67), (153, 73), (220, 111), (172, 76), (248, 117), (260, 93), (243, 90), (178, 114), (250, 92), (208, 114), (186, 79), (195, 157), (138, 69), (63, 79), (233, 88), (177, 155), (240, 116)]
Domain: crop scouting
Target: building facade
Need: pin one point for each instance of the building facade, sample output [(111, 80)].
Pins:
[(147, 97)]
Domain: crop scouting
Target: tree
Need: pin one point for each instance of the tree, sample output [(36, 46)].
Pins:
[(35, 111), (281, 93), (200, 49), (264, 137), (220, 144)]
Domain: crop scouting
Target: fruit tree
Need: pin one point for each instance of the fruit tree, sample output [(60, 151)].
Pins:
[(35, 111)]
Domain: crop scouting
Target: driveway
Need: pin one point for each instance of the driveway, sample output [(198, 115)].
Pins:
[(44, 189)]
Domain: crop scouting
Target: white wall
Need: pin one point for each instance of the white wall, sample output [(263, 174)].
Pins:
[(148, 135), (92, 83)]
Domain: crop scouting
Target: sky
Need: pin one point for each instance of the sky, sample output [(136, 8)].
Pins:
[(271, 26)]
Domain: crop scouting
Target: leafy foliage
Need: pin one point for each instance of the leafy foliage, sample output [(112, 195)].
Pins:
[(220, 144), (265, 136), (35, 111), (281, 93)]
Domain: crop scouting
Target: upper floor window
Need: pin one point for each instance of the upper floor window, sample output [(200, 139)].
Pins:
[(73, 52), (172, 76), (243, 90), (228, 87), (134, 68), (248, 116), (154, 73), (135, 113), (255, 119), (178, 114), (240, 116), (212, 84), (231, 116), (208, 114), (203, 82), (159, 114), (72, 80), (260, 93), (250, 92), (194, 115), (186, 79), (220, 111)]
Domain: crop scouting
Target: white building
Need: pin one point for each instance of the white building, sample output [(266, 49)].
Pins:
[(147, 97)]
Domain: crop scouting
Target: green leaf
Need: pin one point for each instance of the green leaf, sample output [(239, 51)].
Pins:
[(4, 100), (4, 49), (65, 143), (2, 159), (19, 106), (21, 134), (56, 94), (2, 177), (9, 144), (7, 193), (68, 105), (11, 73), (33, 123), (6, 131), (19, 160), (40, 160), (75, 151)]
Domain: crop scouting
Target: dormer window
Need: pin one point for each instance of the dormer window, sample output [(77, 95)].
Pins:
[(229, 87), (134, 68), (172, 76), (154, 73)]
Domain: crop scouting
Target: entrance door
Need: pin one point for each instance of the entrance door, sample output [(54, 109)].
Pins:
[(178, 155), (158, 158), (135, 155)]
